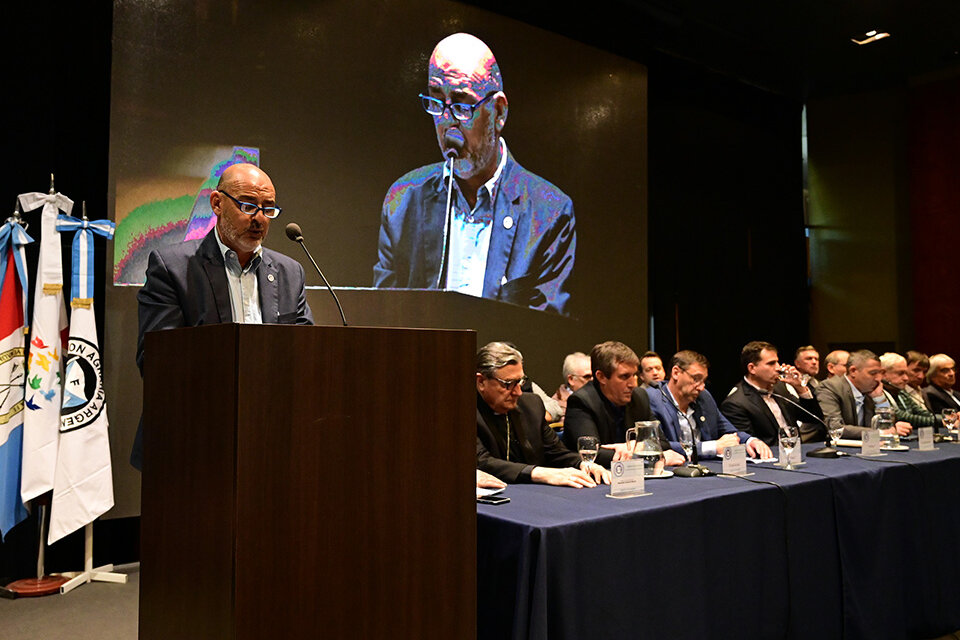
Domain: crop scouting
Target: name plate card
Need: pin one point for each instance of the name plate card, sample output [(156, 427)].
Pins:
[(870, 443), (626, 479), (735, 460), (925, 439)]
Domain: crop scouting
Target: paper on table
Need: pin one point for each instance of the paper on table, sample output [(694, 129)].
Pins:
[(481, 491), (759, 460)]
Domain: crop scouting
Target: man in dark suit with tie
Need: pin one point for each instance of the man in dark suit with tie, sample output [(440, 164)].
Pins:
[(610, 403), (942, 376), (683, 400), (754, 406), (855, 396), (226, 277), (514, 441)]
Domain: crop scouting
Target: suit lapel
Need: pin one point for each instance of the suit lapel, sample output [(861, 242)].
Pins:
[(503, 232), (268, 284), (214, 268), (759, 403), (430, 224)]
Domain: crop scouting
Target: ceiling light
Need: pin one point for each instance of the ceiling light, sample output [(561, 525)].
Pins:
[(870, 36)]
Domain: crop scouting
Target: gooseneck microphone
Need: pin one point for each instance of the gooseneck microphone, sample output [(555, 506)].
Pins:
[(295, 234), (452, 146), (826, 451)]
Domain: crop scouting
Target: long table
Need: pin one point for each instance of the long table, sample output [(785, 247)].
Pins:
[(840, 548)]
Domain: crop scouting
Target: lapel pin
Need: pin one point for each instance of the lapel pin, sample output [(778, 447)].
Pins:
[(507, 222), (270, 277)]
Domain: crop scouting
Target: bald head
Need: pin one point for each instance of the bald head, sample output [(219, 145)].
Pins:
[(242, 173), (466, 59)]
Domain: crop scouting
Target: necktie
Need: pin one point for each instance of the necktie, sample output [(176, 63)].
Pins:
[(867, 411)]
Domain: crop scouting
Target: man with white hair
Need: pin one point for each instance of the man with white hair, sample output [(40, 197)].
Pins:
[(895, 384), (942, 376), (576, 373), (511, 235), (836, 362)]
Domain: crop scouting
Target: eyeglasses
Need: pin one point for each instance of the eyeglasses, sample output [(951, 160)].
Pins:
[(460, 110), (697, 379), (251, 208), (587, 377), (510, 384)]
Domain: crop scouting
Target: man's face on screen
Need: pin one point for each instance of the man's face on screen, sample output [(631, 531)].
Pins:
[(462, 70)]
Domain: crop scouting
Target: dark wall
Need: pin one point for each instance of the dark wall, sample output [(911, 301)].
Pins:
[(57, 108), (727, 247)]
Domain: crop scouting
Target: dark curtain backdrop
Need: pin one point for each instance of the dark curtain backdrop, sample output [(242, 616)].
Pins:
[(934, 174)]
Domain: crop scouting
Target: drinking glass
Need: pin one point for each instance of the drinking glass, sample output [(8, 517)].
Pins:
[(949, 417), (789, 439), (588, 447), (835, 429)]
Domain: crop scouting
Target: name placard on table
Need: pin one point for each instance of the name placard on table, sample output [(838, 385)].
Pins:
[(925, 439), (626, 479), (735, 460), (870, 443)]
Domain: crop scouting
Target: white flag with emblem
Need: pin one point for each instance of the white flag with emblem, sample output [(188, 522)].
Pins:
[(83, 484), (41, 421)]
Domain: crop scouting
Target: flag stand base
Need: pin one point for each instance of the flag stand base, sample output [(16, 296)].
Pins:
[(33, 587), (105, 573)]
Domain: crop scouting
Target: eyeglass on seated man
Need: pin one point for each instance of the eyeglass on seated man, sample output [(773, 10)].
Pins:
[(514, 441)]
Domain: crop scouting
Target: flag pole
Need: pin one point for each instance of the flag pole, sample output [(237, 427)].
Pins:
[(42, 585)]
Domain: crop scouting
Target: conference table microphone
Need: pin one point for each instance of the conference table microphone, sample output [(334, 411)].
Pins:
[(452, 146), (295, 234), (826, 451)]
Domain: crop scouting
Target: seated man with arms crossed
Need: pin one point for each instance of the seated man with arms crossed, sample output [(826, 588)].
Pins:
[(610, 404), (895, 385), (855, 396), (759, 404), (683, 401), (514, 441)]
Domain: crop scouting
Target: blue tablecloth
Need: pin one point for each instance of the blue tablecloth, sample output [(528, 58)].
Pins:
[(846, 547)]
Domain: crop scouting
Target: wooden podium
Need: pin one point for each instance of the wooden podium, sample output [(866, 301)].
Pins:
[(308, 482)]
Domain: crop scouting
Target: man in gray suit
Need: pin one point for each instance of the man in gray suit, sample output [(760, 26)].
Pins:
[(226, 277), (855, 396)]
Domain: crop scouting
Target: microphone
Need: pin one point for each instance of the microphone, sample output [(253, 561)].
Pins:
[(826, 451), (295, 234), (453, 142)]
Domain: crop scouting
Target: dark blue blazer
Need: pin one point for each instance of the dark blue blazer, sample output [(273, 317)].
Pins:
[(705, 413), (533, 240), (187, 286)]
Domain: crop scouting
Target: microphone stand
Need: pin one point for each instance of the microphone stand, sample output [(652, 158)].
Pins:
[(451, 154), (826, 451), (299, 240)]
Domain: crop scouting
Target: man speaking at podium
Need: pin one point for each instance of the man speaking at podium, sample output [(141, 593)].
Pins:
[(511, 234), (226, 277)]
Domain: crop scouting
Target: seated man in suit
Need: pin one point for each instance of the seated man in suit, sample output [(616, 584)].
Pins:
[(610, 404), (651, 369), (514, 441), (759, 404), (228, 276), (807, 362), (855, 396), (918, 364), (942, 377), (895, 384), (576, 373), (683, 402), (836, 362)]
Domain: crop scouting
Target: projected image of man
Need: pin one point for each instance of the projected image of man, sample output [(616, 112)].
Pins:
[(511, 234)]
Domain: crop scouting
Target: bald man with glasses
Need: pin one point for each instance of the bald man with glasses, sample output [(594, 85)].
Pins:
[(511, 235), (228, 276)]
